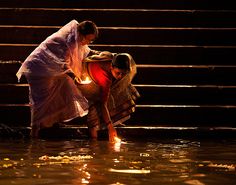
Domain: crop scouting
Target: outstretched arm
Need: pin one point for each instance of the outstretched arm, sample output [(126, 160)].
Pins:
[(107, 119)]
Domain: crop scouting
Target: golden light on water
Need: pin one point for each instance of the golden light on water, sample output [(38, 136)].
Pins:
[(65, 157), (133, 171), (52, 160)]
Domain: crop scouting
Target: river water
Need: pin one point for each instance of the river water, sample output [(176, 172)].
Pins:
[(74, 162)]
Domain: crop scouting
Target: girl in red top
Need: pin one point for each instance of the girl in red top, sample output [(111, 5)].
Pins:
[(109, 94)]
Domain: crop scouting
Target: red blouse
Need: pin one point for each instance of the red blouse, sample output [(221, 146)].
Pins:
[(100, 72)]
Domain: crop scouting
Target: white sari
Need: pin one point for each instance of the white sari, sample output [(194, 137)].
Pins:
[(53, 95)]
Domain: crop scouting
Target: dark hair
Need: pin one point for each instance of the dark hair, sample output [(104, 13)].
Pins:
[(88, 27), (121, 61)]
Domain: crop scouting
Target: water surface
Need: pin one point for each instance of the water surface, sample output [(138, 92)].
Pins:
[(74, 162)]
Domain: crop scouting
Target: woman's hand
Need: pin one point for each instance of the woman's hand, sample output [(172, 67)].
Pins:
[(77, 81), (111, 132)]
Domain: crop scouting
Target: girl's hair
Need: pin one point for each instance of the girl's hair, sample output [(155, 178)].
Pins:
[(88, 27), (121, 61)]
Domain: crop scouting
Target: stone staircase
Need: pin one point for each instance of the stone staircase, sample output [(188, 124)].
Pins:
[(184, 49)]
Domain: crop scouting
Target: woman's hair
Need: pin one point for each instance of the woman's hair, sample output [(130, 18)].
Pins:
[(88, 27), (121, 61)]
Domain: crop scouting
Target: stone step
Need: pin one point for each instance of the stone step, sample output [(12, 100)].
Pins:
[(145, 115), (145, 54), (150, 94), (186, 95), (144, 133), (154, 74), (118, 17), (185, 75), (128, 35), (149, 4)]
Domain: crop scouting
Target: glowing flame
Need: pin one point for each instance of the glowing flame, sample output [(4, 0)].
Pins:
[(87, 80), (117, 140)]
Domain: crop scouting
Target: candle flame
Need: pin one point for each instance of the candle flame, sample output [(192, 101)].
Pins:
[(87, 80), (117, 140)]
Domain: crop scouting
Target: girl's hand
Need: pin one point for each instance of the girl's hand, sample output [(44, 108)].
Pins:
[(112, 132)]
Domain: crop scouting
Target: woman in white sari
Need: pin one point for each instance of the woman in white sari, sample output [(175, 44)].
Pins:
[(51, 70)]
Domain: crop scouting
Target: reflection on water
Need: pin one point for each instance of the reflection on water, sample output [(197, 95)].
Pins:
[(123, 163)]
